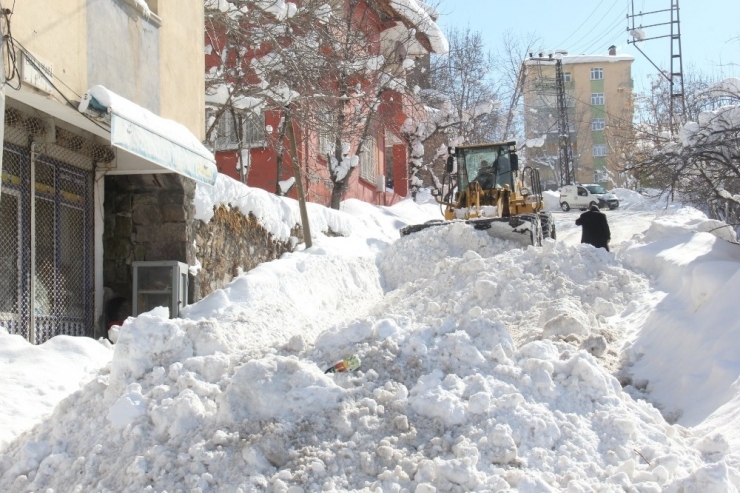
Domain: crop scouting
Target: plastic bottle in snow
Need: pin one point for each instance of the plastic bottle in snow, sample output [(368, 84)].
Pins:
[(348, 364)]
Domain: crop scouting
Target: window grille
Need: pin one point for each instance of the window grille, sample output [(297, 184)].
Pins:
[(369, 160), (252, 127), (598, 124), (597, 73), (597, 98), (567, 76), (326, 124), (599, 150)]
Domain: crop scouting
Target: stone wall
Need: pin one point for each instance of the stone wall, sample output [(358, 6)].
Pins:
[(147, 217), (152, 217), (231, 242)]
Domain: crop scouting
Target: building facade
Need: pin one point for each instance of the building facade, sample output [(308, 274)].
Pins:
[(103, 124), (598, 99), (247, 143)]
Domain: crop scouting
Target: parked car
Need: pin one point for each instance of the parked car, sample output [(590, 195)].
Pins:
[(583, 196)]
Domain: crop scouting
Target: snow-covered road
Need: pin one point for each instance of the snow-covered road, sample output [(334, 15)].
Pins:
[(484, 368)]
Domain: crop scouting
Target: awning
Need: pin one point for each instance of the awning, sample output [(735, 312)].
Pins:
[(158, 140)]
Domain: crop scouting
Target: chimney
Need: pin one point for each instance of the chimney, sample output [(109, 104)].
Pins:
[(612, 50)]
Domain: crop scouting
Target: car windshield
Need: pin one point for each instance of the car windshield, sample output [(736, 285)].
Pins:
[(597, 189)]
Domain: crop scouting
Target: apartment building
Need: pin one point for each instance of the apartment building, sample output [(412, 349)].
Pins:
[(598, 97), (246, 141), (101, 152)]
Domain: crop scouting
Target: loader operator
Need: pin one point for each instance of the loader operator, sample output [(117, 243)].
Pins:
[(595, 228), (486, 176)]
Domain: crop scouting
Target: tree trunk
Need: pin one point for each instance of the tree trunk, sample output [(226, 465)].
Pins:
[(337, 192)]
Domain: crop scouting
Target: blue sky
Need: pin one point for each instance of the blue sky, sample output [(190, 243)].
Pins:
[(707, 29)]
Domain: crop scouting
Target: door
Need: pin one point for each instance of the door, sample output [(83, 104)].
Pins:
[(583, 199), (45, 247)]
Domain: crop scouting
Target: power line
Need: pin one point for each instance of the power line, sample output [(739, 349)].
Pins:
[(562, 43), (608, 31), (613, 31), (597, 23)]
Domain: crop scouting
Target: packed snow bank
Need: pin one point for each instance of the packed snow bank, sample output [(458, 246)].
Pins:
[(36, 378), (695, 323), (305, 292), (629, 200), (446, 398), (278, 215)]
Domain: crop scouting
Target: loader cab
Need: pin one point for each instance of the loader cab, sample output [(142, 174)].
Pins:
[(490, 165)]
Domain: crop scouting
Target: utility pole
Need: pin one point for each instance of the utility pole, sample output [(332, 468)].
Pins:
[(565, 151), (675, 75)]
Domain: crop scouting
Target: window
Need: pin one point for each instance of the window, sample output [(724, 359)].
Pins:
[(326, 127), (601, 176), (369, 160), (597, 98), (252, 132), (567, 77), (597, 73), (598, 124), (600, 150)]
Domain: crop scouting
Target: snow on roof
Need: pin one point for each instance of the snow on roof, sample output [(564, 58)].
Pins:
[(574, 59), (571, 59), (144, 118)]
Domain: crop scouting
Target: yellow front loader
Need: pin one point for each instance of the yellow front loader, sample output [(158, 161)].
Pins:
[(484, 187)]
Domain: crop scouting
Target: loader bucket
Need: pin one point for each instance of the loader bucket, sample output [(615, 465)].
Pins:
[(524, 229)]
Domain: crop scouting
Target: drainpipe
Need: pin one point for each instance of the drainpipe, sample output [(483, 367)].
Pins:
[(32, 249), (2, 112)]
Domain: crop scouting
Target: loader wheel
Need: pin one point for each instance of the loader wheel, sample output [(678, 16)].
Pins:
[(548, 225), (564, 206)]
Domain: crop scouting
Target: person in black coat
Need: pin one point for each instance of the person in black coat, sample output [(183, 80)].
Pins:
[(595, 228)]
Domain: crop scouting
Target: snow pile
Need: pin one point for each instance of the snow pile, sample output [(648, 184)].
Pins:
[(471, 380), (551, 198), (36, 378), (696, 266), (631, 200)]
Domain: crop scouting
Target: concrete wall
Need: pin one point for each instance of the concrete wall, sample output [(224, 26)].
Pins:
[(123, 51)]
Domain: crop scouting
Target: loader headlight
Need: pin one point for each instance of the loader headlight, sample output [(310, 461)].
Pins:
[(436, 192), (524, 191)]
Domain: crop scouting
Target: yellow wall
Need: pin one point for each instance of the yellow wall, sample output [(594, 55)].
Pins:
[(55, 31), (182, 58)]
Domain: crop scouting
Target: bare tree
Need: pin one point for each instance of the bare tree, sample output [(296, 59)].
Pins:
[(702, 159), (321, 62)]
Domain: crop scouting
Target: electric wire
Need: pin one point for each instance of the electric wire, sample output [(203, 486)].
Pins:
[(609, 31), (562, 43), (43, 73), (597, 24), (10, 50)]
